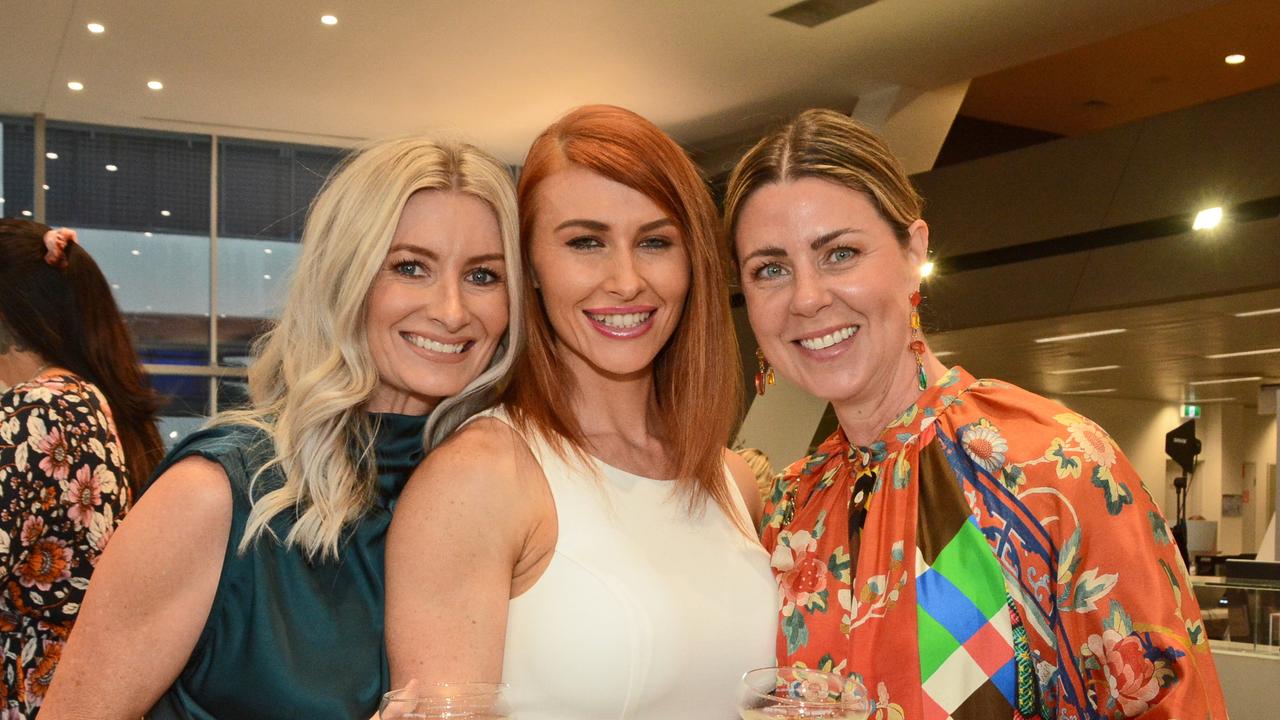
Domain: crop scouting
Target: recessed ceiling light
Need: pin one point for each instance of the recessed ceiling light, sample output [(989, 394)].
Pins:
[(96, 28), (1227, 380), (1243, 353), (1099, 391), (1204, 401), (155, 84), (1073, 371), (329, 19), (111, 168), (75, 85), (165, 213), (135, 251), (1078, 336), (45, 187), (944, 353), (148, 234), (1, 201), (115, 286), (173, 434), (267, 251), (1254, 313), (26, 213), (1234, 59), (1207, 219), (266, 277), (926, 269), (51, 155)]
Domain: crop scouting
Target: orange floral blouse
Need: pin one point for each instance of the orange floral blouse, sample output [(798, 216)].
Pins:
[(63, 491), (1010, 564)]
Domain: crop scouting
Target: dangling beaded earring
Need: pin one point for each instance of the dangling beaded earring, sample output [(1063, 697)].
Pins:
[(917, 345), (764, 376)]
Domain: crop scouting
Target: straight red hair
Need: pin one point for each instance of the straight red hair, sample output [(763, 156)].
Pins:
[(697, 374)]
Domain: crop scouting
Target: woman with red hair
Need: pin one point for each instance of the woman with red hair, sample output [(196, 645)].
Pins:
[(595, 532)]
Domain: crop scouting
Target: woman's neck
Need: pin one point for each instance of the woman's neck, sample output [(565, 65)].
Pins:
[(19, 366), (863, 419), (611, 407)]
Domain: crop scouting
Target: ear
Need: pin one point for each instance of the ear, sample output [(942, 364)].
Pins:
[(917, 249)]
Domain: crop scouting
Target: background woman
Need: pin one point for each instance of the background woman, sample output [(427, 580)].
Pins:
[(77, 437), (971, 550), (248, 582), (598, 549)]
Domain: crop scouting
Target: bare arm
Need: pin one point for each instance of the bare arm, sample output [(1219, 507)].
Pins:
[(148, 600), (456, 540), (746, 481)]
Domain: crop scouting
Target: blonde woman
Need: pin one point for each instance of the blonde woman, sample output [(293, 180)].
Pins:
[(248, 581)]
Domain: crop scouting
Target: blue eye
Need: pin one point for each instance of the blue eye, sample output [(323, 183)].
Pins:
[(409, 268), (483, 276), (769, 271), (842, 254)]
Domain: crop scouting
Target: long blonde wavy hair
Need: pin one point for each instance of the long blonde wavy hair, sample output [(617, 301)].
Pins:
[(313, 373)]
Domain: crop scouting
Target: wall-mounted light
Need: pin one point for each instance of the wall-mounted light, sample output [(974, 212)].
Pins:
[(1207, 219)]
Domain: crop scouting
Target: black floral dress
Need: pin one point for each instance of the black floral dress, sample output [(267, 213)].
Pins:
[(63, 491)]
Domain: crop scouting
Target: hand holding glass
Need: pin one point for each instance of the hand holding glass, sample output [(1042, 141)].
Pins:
[(460, 701), (776, 693)]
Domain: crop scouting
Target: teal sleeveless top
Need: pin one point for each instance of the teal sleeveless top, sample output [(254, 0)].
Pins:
[(287, 637)]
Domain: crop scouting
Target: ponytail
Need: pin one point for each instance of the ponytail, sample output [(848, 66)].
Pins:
[(68, 316)]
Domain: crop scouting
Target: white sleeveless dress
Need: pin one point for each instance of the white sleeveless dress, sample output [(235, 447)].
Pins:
[(644, 612)]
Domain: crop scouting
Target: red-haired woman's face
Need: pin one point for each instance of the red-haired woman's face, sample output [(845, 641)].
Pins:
[(612, 269)]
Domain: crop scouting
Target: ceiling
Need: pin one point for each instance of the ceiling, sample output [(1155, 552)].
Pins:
[(496, 73), (1152, 70), (1162, 350)]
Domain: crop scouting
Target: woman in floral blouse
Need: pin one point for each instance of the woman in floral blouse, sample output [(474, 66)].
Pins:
[(76, 438), (965, 548)]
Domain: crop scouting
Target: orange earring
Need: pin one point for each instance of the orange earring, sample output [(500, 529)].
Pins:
[(764, 376), (917, 345)]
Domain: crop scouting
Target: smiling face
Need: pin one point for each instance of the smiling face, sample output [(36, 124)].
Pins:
[(613, 271), (827, 285), (438, 306)]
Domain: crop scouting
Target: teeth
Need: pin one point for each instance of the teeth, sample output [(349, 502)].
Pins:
[(621, 321), (829, 339), (429, 344)]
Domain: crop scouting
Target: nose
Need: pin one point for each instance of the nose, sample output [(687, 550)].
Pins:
[(811, 294), (447, 307), (624, 281)]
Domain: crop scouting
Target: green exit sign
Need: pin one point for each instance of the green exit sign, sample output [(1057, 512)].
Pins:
[(1190, 411)]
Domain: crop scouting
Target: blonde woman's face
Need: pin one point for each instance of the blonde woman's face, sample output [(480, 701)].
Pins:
[(612, 269), (828, 286), (438, 306)]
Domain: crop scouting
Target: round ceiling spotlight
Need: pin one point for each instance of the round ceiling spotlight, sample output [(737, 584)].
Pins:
[(155, 84), (1234, 59), (75, 86), (329, 19), (96, 28)]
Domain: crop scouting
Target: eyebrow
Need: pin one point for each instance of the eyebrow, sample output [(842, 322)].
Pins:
[(433, 255), (598, 226), (825, 238)]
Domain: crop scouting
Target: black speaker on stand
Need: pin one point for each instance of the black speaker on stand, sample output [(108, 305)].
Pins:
[(1181, 445)]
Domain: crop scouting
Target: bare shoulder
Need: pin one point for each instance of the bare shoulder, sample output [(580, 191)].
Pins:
[(204, 483), (746, 481), (487, 451)]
